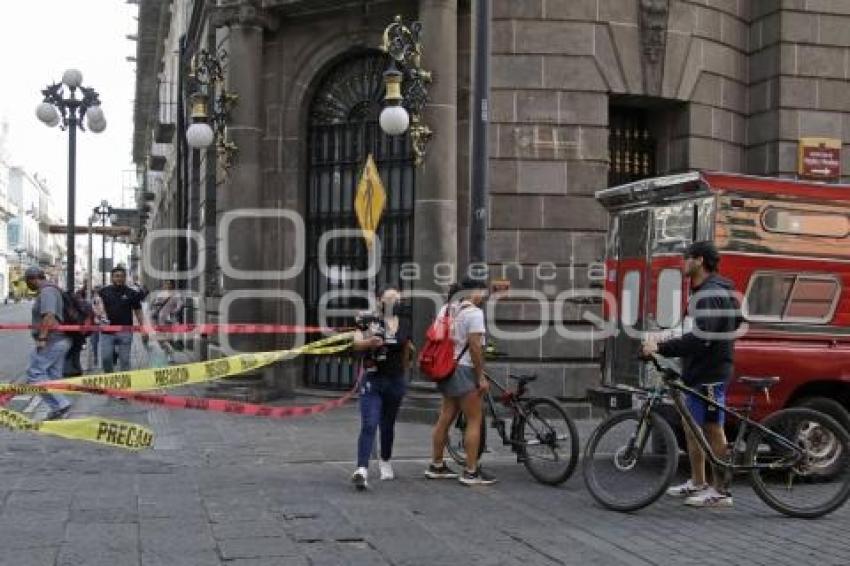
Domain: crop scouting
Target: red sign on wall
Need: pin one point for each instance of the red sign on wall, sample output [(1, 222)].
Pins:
[(820, 159)]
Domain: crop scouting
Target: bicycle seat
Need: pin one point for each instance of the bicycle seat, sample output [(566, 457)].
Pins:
[(523, 378), (759, 383)]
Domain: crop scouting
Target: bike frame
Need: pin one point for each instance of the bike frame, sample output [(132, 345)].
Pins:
[(677, 396), (512, 401)]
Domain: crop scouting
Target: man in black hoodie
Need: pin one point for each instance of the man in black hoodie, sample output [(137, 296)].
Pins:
[(707, 355)]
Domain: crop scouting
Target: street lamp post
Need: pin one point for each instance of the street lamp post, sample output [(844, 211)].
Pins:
[(104, 211), (68, 113), (480, 178)]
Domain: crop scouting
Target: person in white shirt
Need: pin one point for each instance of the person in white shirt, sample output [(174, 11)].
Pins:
[(463, 390)]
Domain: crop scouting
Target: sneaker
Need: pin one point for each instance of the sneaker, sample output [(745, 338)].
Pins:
[(359, 479), (687, 489), (709, 497), (58, 414), (440, 472), (386, 470), (478, 477)]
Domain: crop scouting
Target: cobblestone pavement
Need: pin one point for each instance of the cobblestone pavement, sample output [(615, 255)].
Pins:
[(227, 490)]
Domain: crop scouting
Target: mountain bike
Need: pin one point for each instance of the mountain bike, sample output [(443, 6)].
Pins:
[(541, 434), (798, 460)]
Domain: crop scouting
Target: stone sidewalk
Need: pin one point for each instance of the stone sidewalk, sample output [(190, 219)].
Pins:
[(226, 490)]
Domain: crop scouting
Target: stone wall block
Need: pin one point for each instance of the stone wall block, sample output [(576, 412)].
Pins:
[(735, 32), (765, 64), (678, 46), (705, 154), (820, 124), (570, 10), (572, 73), (573, 213), (707, 90), (588, 248), (833, 30), (725, 61), (788, 156), (707, 23), (789, 124), (586, 177), (606, 59), (594, 143), (733, 95), (820, 61), (828, 6), (700, 120), (732, 158), (502, 245), (516, 211), (526, 9), (799, 27), (627, 44), (554, 37), (763, 127), (535, 247), (682, 18), (617, 11), (583, 108), (692, 70), (834, 95), (764, 96), (578, 379), (502, 36), (556, 346), (537, 106), (722, 124), (542, 177), (797, 93), (517, 71), (502, 106), (503, 176)]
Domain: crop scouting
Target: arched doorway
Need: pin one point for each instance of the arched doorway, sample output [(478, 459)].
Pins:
[(343, 131)]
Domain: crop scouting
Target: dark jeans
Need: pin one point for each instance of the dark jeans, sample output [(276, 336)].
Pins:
[(380, 399)]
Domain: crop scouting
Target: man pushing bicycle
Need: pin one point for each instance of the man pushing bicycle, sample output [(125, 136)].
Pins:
[(707, 355)]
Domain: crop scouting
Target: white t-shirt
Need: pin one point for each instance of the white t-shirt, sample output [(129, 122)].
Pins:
[(469, 319)]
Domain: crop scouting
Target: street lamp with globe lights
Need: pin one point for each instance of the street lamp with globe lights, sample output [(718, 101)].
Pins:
[(62, 107), (406, 84)]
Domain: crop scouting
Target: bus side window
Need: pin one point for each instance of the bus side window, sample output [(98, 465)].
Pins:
[(630, 299), (668, 310)]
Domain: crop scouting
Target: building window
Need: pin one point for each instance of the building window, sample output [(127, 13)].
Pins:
[(805, 223), (789, 297), (631, 146), (668, 302)]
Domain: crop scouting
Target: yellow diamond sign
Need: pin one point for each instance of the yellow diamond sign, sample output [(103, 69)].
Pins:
[(370, 201)]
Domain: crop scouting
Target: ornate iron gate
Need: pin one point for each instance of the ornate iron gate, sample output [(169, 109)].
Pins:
[(631, 146), (343, 131)]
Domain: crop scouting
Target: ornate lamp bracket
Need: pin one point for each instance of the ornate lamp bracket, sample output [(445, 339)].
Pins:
[(206, 79), (404, 46)]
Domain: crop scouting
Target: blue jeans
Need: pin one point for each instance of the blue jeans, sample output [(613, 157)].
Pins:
[(380, 399), (94, 339), (108, 343), (47, 364), (703, 412)]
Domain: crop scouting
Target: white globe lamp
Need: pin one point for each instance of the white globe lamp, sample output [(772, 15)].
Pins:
[(199, 135), (394, 118), (72, 78), (47, 113)]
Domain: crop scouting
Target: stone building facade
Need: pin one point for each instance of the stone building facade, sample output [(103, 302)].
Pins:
[(585, 93)]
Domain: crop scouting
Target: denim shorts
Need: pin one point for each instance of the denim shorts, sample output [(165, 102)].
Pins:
[(460, 384), (703, 412)]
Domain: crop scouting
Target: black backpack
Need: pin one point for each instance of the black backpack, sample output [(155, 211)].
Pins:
[(76, 310)]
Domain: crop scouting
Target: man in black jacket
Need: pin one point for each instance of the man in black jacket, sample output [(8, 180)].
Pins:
[(707, 355)]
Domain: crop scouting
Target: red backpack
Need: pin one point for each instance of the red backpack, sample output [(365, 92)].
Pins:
[(437, 359)]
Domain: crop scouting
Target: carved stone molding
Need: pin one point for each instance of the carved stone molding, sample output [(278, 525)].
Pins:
[(243, 13), (653, 16)]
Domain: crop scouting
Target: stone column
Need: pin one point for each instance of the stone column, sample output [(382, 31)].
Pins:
[(242, 246), (435, 211)]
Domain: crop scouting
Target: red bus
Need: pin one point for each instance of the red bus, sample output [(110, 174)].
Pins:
[(785, 245)]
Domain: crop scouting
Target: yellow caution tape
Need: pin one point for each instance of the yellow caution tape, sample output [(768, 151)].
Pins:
[(109, 432), (186, 374)]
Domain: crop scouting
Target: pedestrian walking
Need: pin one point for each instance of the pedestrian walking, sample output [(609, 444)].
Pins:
[(462, 391), (48, 359), (166, 310), (120, 304), (707, 364), (73, 364), (385, 340)]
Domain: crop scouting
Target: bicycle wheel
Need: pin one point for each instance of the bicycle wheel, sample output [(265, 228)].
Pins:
[(624, 472), (549, 449), (797, 486), (454, 444)]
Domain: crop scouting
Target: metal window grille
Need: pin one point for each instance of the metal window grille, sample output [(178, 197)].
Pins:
[(631, 146)]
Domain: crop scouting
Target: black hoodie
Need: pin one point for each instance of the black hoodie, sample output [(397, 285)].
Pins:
[(707, 358)]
